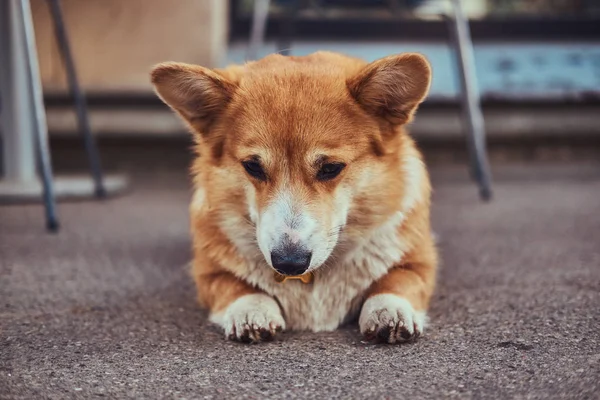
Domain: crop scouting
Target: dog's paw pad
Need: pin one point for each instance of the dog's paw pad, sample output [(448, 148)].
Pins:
[(391, 319), (252, 318)]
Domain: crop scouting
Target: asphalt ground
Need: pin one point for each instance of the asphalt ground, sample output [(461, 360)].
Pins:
[(106, 309)]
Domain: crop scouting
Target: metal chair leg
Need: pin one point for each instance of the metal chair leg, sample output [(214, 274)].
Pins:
[(259, 26), (40, 127), (287, 27), (471, 107), (80, 103)]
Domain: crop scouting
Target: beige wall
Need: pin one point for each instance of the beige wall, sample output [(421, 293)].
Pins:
[(115, 42)]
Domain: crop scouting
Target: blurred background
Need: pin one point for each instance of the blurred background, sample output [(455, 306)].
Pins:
[(537, 64)]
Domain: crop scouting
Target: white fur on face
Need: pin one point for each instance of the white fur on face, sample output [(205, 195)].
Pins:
[(287, 219), (251, 201)]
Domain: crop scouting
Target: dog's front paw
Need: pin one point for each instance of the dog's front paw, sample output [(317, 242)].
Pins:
[(251, 318), (390, 318)]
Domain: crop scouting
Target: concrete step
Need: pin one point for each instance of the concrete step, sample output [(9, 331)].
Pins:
[(432, 123)]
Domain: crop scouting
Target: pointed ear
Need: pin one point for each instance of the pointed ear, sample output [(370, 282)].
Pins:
[(196, 93), (392, 87)]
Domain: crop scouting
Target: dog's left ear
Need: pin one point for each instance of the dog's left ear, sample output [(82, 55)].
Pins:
[(392, 87), (198, 94)]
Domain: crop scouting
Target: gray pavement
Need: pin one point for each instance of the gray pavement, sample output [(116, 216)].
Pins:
[(105, 308)]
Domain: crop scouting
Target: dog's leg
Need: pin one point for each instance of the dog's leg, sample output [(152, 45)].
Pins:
[(395, 308), (244, 312)]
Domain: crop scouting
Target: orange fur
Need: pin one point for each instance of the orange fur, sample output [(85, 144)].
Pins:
[(296, 114)]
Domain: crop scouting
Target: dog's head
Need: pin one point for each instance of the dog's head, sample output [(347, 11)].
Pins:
[(303, 147)]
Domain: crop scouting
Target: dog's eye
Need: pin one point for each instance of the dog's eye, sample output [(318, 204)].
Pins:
[(330, 171), (254, 169)]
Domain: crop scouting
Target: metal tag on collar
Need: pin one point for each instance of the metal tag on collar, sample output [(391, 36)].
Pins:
[(304, 278)]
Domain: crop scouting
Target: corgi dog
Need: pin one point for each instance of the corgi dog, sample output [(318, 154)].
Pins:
[(311, 203)]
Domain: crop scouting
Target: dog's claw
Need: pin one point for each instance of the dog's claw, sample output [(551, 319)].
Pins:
[(253, 318), (390, 319)]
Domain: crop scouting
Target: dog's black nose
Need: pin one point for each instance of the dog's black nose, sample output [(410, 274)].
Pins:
[(291, 261)]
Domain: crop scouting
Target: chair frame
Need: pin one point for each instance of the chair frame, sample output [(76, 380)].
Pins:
[(24, 116), (462, 46)]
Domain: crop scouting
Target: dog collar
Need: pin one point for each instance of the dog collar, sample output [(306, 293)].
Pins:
[(305, 278)]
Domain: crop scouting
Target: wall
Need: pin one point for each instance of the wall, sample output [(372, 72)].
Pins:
[(115, 42)]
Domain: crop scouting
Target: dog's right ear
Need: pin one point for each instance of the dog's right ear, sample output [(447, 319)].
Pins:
[(392, 87), (196, 93)]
